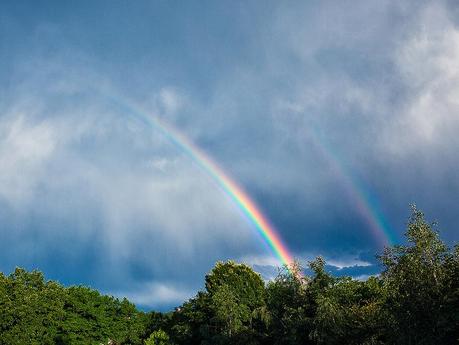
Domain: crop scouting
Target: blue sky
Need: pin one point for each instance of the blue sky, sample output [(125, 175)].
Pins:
[(90, 196)]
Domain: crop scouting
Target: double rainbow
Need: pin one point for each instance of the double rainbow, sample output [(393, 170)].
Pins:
[(362, 199)]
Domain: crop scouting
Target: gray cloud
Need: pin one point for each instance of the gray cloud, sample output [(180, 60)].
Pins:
[(86, 171)]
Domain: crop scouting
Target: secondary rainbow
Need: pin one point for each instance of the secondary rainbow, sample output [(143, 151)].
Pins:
[(237, 194), (361, 197)]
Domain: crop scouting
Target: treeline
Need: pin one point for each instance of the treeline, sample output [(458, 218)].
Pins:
[(415, 300)]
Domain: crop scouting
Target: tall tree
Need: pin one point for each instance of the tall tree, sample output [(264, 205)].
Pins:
[(416, 277), (237, 295)]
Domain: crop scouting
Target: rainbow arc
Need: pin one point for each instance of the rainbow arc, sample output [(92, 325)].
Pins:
[(231, 188)]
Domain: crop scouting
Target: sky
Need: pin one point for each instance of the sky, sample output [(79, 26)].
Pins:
[(334, 116)]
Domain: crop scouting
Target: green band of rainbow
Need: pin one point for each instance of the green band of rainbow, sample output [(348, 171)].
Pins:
[(231, 188)]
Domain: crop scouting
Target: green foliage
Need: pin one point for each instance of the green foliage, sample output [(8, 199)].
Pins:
[(33, 311), (350, 312), (415, 300), (237, 296), (190, 322), (419, 279), (158, 337), (30, 308), (240, 280), (289, 307), (228, 311)]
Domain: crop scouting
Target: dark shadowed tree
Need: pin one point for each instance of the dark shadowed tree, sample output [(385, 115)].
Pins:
[(350, 312)]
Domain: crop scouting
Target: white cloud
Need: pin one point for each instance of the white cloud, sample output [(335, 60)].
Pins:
[(170, 100), (340, 262), (25, 148), (428, 61), (364, 277), (346, 262), (157, 294)]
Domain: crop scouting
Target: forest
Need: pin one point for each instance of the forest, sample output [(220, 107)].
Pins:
[(414, 300)]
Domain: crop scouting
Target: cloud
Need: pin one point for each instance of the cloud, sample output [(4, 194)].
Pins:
[(341, 261), (428, 62), (25, 149), (156, 295), (84, 184), (363, 277), (170, 100), (347, 262), (84, 170), (344, 264)]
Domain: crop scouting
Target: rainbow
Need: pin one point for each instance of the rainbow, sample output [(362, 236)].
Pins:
[(361, 196), (235, 192)]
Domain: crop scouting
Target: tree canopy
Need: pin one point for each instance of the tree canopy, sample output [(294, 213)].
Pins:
[(415, 300)]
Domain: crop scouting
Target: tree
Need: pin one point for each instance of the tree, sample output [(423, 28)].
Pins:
[(246, 284), (158, 337), (289, 308), (228, 311), (415, 300), (417, 280), (350, 312), (30, 308), (35, 311), (237, 297), (450, 323), (189, 324)]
